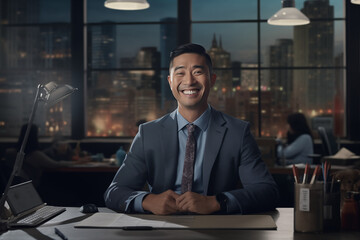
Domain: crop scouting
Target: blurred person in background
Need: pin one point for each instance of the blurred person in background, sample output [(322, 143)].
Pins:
[(298, 145), (36, 160)]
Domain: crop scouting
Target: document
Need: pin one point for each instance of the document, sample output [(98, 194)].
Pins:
[(142, 221), (343, 157)]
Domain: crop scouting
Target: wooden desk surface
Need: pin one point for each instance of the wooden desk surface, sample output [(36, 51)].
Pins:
[(288, 169), (65, 223), (107, 167)]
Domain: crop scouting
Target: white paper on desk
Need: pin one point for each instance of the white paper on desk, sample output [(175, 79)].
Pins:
[(344, 153), (117, 220)]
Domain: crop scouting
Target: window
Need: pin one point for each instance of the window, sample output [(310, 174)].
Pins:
[(127, 62), (264, 72), (267, 72), (35, 49)]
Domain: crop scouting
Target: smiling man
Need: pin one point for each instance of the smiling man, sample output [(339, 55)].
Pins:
[(195, 159)]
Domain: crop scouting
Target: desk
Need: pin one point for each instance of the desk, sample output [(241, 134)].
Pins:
[(287, 170), (65, 223)]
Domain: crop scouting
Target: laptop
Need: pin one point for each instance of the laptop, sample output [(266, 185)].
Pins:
[(27, 207)]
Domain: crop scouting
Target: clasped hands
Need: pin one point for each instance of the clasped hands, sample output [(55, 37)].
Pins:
[(170, 202)]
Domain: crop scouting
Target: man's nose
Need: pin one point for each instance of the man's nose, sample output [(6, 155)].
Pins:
[(189, 79)]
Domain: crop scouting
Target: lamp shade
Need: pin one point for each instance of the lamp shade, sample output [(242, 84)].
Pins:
[(288, 17), (355, 1), (127, 4), (51, 93)]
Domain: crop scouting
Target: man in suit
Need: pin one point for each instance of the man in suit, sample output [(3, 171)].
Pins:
[(228, 175)]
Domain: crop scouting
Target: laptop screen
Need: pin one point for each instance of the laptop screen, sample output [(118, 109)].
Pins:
[(23, 197)]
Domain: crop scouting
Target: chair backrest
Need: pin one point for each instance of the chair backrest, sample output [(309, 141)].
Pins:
[(328, 140), (267, 148)]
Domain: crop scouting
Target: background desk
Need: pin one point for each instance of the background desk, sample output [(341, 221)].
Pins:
[(65, 223), (75, 186)]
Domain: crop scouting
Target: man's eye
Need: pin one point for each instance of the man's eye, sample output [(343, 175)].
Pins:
[(179, 73), (198, 72)]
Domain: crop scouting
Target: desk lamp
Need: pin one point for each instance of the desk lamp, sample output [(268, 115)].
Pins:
[(50, 94)]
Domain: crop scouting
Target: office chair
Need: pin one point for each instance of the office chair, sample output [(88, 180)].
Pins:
[(329, 144)]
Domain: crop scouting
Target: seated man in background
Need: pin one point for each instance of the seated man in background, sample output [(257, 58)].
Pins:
[(61, 150), (194, 158)]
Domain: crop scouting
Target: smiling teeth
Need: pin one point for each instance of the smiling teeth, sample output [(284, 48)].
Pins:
[(188, 92)]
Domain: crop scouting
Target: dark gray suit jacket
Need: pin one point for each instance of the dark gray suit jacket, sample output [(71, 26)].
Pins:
[(231, 157)]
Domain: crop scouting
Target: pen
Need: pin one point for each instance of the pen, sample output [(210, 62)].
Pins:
[(332, 184), (307, 169), (295, 172), (137, 228), (315, 174), (60, 234)]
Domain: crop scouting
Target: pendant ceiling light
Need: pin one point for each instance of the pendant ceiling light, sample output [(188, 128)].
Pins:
[(288, 15), (127, 4), (355, 1)]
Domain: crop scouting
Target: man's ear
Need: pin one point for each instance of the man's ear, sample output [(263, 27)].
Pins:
[(169, 81)]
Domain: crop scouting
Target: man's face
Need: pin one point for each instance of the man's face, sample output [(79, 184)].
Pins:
[(190, 81)]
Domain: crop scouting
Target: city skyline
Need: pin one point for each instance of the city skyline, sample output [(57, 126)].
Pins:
[(117, 96)]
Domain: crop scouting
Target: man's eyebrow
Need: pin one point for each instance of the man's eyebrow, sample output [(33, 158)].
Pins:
[(198, 66), (178, 67)]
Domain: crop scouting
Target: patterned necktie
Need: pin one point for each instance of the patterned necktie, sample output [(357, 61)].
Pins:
[(188, 172)]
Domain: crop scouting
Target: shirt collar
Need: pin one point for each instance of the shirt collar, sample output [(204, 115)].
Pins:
[(202, 122)]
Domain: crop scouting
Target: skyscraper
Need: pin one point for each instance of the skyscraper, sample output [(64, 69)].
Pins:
[(102, 41), (314, 47), (222, 89), (280, 55)]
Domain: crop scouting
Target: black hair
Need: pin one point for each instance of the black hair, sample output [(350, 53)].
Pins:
[(191, 48), (299, 125)]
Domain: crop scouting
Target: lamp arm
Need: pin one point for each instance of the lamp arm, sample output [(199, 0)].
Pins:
[(20, 155)]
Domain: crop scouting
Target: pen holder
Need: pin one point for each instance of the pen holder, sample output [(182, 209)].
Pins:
[(332, 207), (308, 210)]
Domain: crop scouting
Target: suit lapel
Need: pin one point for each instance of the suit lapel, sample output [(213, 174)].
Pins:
[(170, 148), (213, 144)]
